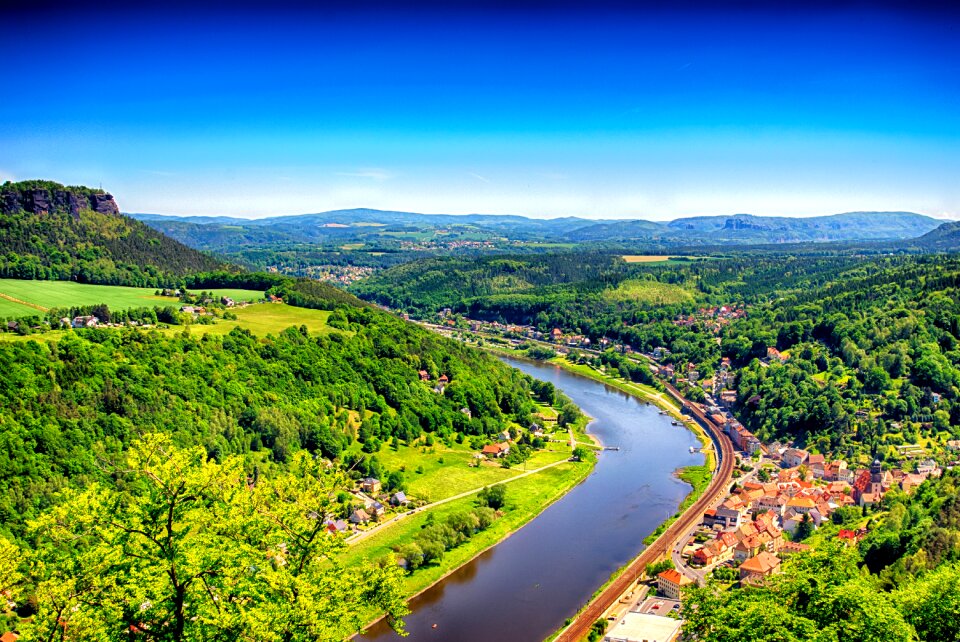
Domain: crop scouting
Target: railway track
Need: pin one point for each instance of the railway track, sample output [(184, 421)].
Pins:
[(718, 487)]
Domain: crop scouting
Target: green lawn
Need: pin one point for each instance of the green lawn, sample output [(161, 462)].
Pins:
[(65, 294), (266, 318), (12, 309)]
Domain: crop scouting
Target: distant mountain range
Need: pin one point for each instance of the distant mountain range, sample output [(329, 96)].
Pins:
[(230, 234)]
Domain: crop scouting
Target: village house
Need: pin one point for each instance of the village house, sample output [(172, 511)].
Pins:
[(671, 582), (713, 552), (793, 457), (399, 498), (774, 355), (791, 548), (370, 485), (84, 322), (747, 547), (772, 503), (910, 481), (359, 516), (496, 450), (756, 568), (730, 512), (424, 375), (336, 526), (817, 465), (802, 505)]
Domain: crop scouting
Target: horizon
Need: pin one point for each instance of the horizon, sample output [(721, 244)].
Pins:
[(603, 112)]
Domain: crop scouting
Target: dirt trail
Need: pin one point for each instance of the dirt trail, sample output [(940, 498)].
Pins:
[(29, 305)]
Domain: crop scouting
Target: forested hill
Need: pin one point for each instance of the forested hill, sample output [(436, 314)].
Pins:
[(49, 231), (68, 405)]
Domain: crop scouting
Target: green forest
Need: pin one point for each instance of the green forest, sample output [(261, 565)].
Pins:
[(872, 341)]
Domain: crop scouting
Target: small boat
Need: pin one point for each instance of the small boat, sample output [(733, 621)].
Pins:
[(675, 423)]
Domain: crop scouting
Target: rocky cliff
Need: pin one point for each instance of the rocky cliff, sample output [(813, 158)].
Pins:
[(44, 197), (51, 231)]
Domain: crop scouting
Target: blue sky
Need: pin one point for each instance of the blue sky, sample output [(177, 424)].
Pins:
[(601, 112)]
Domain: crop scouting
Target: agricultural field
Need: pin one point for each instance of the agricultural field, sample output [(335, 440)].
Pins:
[(40, 296), (645, 258)]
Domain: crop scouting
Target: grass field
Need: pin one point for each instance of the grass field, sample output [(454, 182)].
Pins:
[(266, 318), (453, 475), (10, 308), (642, 291), (260, 319), (64, 294)]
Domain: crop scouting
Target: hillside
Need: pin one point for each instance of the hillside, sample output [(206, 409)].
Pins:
[(945, 238), (98, 424), (49, 231)]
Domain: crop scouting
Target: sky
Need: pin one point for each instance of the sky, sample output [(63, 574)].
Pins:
[(595, 110)]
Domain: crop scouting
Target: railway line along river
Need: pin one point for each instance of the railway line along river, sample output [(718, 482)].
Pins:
[(526, 586)]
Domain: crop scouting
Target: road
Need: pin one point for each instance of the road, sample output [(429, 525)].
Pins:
[(678, 531), (376, 529)]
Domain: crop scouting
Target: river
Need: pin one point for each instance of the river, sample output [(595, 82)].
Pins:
[(526, 586)]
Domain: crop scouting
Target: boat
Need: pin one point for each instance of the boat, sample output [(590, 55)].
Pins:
[(675, 423)]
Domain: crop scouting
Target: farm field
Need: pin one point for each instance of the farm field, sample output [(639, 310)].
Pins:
[(40, 296)]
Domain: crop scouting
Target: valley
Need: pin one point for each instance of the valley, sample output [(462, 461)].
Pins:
[(449, 471)]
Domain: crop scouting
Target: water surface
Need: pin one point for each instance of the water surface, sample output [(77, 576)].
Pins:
[(525, 587)]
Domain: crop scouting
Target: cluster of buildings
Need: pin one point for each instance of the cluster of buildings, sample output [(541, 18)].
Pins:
[(338, 274), (456, 244), (371, 506), (712, 318), (748, 526)]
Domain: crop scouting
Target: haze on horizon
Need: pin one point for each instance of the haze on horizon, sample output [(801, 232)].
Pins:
[(601, 112)]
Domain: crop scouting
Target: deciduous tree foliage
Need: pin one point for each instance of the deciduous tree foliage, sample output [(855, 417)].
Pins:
[(182, 547)]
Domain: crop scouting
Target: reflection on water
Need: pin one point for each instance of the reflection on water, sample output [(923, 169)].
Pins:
[(525, 587)]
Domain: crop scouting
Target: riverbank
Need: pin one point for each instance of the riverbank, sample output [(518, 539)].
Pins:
[(526, 499), (528, 495)]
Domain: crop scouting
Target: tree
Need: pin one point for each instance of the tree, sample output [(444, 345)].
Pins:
[(804, 528), (185, 548), (494, 496)]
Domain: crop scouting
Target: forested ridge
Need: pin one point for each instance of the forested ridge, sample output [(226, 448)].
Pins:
[(68, 404), (101, 427), (49, 231), (871, 341)]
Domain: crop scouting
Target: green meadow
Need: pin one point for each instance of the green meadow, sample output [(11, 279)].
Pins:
[(19, 297)]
